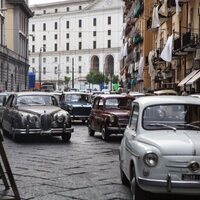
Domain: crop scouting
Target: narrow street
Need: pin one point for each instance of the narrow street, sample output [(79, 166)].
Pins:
[(85, 168)]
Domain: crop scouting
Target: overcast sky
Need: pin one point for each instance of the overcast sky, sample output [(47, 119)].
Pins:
[(32, 2)]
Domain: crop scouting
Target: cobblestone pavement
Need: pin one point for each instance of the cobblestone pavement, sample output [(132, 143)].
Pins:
[(48, 169), (86, 168)]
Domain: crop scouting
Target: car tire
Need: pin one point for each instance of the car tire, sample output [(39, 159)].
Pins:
[(104, 133), (15, 137), (124, 179), (90, 131), (137, 192), (66, 137)]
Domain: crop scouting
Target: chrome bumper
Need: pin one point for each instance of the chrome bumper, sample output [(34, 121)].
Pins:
[(169, 185), (52, 131)]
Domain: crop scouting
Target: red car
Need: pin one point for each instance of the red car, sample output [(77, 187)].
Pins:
[(109, 115)]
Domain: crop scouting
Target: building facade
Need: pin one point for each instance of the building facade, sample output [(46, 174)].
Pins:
[(71, 38), (161, 45), (14, 17)]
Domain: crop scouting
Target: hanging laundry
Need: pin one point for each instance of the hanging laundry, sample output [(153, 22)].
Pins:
[(178, 9), (164, 9), (125, 52), (151, 67), (140, 70), (155, 18), (167, 51)]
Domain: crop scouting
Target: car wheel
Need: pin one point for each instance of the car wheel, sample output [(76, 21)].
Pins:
[(124, 179), (137, 192), (66, 137), (15, 137), (104, 133), (90, 131)]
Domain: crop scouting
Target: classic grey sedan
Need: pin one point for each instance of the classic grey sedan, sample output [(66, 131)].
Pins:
[(35, 113), (160, 149)]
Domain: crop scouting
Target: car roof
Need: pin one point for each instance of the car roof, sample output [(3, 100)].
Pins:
[(34, 93), (159, 92), (107, 96), (82, 93), (167, 99)]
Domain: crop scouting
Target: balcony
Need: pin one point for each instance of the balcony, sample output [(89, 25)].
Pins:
[(190, 41), (177, 48), (149, 24)]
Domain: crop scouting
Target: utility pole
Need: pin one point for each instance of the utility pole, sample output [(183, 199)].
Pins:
[(40, 67), (72, 72)]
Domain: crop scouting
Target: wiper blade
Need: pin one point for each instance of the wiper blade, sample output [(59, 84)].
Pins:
[(189, 125), (165, 125)]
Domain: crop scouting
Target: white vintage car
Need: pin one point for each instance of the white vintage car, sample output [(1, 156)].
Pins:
[(160, 149)]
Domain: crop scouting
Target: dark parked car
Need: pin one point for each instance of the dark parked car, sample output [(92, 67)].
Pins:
[(35, 113), (78, 104), (109, 115)]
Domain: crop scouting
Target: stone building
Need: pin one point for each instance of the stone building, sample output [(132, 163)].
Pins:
[(71, 38), (162, 40), (14, 17)]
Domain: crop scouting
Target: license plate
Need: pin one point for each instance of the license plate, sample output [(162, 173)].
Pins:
[(191, 177)]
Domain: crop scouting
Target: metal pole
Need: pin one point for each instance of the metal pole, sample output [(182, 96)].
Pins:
[(40, 67), (72, 72)]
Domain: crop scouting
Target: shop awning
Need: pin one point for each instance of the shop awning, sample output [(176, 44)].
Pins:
[(187, 78), (194, 78)]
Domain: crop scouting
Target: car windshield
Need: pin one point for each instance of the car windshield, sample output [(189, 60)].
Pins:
[(174, 117), (36, 100), (84, 98), (118, 103)]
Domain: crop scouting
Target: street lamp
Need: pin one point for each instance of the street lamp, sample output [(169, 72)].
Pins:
[(40, 66)]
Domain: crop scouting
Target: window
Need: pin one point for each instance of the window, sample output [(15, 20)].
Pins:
[(80, 45), (55, 47), (79, 34), (55, 36), (109, 32), (94, 44), (33, 38), (33, 27), (33, 48), (79, 69), (80, 23), (44, 47), (33, 60), (56, 26), (44, 11), (109, 20), (55, 70), (67, 9), (44, 70), (33, 69), (67, 24), (67, 70), (44, 27), (94, 21), (56, 10), (44, 37), (44, 60), (67, 46), (134, 118), (94, 33), (80, 7), (67, 35), (109, 43), (79, 58), (55, 59), (67, 59)]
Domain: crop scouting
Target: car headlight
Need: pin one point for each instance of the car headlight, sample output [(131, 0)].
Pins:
[(32, 119), (112, 118), (150, 159), (70, 107), (60, 118)]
